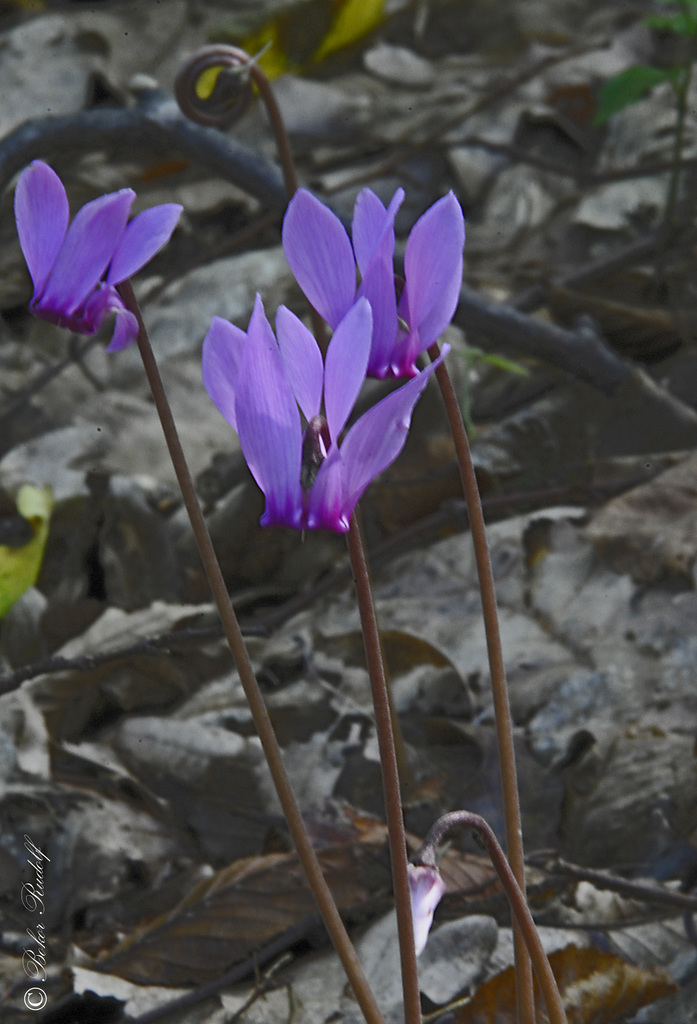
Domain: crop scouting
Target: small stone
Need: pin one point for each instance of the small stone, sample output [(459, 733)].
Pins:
[(399, 66)]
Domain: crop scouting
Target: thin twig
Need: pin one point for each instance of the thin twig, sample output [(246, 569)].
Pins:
[(153, 126), (582, 353), (595, 270), (648, 893)]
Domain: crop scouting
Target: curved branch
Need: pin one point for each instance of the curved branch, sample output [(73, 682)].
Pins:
[(154, 121)]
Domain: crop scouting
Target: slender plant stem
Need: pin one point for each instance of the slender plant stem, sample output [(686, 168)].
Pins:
[(308, 858), (502, 710), (285, 152), (516, 898), (681, 89), (290, 177), (390, 774)]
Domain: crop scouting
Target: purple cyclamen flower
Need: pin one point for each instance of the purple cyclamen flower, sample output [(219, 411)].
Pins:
[(324, 260), (261, 386), (425, 888), (67, 264)]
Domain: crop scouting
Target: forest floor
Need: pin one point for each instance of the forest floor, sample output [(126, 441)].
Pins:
[(127, 753)]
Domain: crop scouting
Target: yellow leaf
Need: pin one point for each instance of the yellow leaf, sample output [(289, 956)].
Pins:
[(19, 567), (354, 20), (305, 33), (207, 81), (596, 988)]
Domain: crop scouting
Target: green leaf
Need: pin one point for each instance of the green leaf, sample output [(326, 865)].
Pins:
[(19, 567), (628, 87), (683, 22), (509, 365), (679, 24), (473, 354)]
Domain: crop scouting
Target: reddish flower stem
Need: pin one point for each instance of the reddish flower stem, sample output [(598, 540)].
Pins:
[(308, 858), (516, 897), (502, 710), (390, 774)]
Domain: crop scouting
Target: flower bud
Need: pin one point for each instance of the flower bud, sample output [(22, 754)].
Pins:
[(426, 888)]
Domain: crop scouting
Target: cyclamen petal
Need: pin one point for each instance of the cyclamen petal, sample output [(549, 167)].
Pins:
[(346, 364), (320, 255), (67, 264), (268, 424), (223, 347), (302, 359), (86, 251), (146, 234), (104, 302), (328, 508), (426, 888), (378, 288), (405, 352), (376, 439), (42, 215), (317, 249), (372, 230), (125, 330), (311, 479), (433, 269)]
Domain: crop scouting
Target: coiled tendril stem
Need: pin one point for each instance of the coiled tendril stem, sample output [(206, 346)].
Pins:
[(221, 104)]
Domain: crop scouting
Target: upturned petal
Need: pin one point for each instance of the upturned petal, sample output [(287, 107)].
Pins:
[(345, 365), (426, 888), (87, 250), (104, 302), (327, 506), (376, 439), (143, 237), (373, 243), (378, 288), (125, 330), (406, 350), (433, 269), (222, 354), (42, 214), (302, 359), (320, 255), (372, 230), (268, 424)]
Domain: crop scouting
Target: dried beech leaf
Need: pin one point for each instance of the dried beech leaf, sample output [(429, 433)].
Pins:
[(468, 874), (403, 650), (651, 531), (226, 918), (596, 988)]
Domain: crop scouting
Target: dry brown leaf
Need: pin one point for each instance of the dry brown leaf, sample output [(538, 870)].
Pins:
[(596, 988), (468, 875), (650, 531), (227, 917)]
